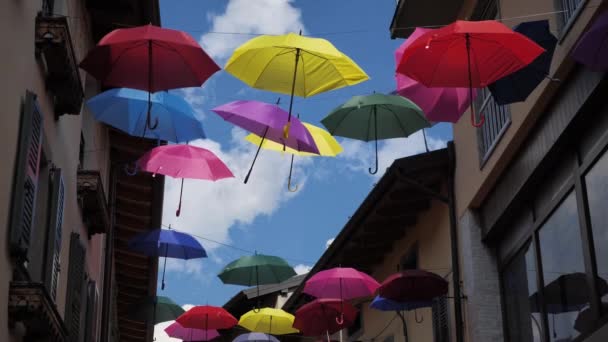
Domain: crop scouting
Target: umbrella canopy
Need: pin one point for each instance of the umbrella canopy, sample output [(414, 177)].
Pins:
[(469, 54), (569, 292), (256, 270), (175, 330), (439, 104), (517, 86), (585, 320), (207, 317), (125, 109), (149, 58), (592, 48), (268, 321), (155, 309), (340, 282), (413, 286), (385, 304), (375, 117), (255, 337), (324, 316)]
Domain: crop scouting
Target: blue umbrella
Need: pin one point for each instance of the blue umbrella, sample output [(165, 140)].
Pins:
[(385, 304), (169, 244), (255, 337), (517, 86), (126, 109)]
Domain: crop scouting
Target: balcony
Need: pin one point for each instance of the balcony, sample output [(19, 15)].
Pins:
[(30, 304), (92, 201), (55, 52), (497, 121), (411, 14)]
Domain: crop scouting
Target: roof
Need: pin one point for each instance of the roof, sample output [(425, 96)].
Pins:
[(108, 15), (393, 205), (428, 13)]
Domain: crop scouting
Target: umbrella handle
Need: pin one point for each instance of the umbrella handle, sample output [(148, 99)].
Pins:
[(416, 317), (153, 127), (340, 319), (130, 172)]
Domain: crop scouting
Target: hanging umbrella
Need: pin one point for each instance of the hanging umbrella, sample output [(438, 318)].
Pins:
[(207, 318), (342, 283), (169, 244), (256, 270), (327, 145), (585, 320), (413, 286), (184, 161), (375, 117), (149, 58), (385, 304), (255, 337), (324, 316), (267, 121), (592, 48), (175, 330), (268, 321), (294, 65), (469, 54), (439, 104), (517, 86), (155, 309), (125, 109)]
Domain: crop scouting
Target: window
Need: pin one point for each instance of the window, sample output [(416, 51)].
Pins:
[(410, 260), (568, 9), (441, 323), (75, 305), (497, 120)]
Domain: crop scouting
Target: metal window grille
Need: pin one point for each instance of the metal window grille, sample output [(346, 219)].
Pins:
[(497, 120), (568, 8)]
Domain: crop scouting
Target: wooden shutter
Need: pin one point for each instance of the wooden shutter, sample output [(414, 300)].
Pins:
[(75, 288), (25, 183), (91, 316), (53, 248), (440, 320)]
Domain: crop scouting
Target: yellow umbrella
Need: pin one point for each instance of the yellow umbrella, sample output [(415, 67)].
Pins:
[(293, 64), (327, 145), (268, 321)]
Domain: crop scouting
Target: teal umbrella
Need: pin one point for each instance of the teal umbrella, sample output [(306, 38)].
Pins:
[(155, 309), (376, 117)]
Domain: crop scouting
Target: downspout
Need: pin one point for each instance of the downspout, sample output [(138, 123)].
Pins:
[(109, 261), (454, 245)]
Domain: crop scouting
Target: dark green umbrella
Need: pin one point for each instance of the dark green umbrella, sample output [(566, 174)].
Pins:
[(256, 270), (376, 117), (156, 309)]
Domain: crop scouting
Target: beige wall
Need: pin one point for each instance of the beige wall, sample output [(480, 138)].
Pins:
[(20, 72), (473, 183), (434, 254)]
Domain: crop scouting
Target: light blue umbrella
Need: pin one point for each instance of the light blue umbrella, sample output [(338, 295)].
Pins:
[(385, 304), (126, 109), (255, 337)]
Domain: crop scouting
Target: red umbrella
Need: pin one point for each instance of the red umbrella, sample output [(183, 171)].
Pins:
[(149, 58), (207, 318), (324, 316), (469, 54), (413, 286)]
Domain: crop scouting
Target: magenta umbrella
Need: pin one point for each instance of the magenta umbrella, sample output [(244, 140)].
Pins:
[(176, 330), (341, 282), (269, 122), (184, 161), (439, 104)]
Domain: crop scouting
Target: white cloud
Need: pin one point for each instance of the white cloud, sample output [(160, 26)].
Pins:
[(210, 209), (159, 329), (247, 16), (360, 155), (302, 269), (329, 242)]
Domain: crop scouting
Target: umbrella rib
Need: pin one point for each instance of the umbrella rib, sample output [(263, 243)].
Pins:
[(440, 59), (398, 120), (169, 47), (340, 122), (266, 67), (115, 61)]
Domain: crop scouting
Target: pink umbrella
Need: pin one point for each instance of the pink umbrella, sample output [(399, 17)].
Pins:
[(438, 104), (184, 161), (341, 282), (176, 330)]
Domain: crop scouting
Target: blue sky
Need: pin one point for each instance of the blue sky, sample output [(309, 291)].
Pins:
[(262, 215)]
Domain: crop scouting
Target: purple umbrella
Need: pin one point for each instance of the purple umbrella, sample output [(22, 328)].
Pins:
[(592, 48), (176, 330), (438, 104), (269, 122)]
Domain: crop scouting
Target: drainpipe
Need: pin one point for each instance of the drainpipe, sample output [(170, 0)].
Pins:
[(109, 261), (454, 245)]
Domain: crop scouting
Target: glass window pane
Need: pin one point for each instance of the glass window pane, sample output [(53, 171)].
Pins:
[(565, 293), (519, 285), (597, 195)]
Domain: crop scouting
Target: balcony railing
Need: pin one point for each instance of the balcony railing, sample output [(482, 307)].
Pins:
[(568, 7), (497, 120)]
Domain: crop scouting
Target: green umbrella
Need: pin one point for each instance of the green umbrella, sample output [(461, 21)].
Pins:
[(256, 270), (157, 309), (376, 117)]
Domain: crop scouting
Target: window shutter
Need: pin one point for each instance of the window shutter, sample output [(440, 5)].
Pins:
[(91, 316), (25, 183), (440, 320), (74, 300), (53, 249)]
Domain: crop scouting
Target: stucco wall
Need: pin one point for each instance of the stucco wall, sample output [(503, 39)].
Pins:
[(20, 72), (473, 183)]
